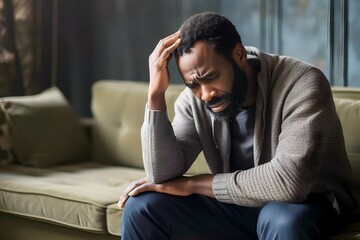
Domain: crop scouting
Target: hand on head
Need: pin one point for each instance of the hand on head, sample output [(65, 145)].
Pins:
[(158, 68)]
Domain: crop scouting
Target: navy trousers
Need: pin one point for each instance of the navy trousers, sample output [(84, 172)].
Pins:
[(160, 216)]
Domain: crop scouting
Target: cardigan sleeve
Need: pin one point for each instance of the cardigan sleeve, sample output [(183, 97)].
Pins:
[(169, 149)]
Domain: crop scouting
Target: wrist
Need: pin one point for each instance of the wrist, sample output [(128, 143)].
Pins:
[(201, 184), (156, 101)]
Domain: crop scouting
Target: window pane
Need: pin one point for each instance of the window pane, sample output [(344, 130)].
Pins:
[(354, 47), (304, 31), (245, 15)]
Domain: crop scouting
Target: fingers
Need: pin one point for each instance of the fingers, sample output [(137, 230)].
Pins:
[(167, 51), (165, 42), (166, 46), (142, 188), (130, 188)]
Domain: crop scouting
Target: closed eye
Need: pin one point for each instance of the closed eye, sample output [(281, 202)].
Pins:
[(196, 80), (193, 84)]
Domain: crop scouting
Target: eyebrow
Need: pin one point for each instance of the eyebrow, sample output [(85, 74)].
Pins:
[(206, 75), (195, 80)]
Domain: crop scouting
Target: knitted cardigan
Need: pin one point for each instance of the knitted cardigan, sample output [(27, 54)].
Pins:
[(298, 140)]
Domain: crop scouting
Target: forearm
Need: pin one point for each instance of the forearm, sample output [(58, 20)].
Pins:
[(169, 149), (163, 157)]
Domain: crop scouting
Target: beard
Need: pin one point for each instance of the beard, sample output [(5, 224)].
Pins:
[(235, 98)]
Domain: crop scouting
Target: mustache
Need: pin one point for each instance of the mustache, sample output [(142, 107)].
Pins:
[(215, 100)]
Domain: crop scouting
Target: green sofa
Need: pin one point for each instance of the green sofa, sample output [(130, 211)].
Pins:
[(61, 177)]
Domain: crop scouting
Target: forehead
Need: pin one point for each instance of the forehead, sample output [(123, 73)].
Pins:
[(200, 59)]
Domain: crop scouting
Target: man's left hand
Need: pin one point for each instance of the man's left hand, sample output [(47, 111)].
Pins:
[(182, 186)]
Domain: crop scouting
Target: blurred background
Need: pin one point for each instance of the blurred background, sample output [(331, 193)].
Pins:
[(72, 44)]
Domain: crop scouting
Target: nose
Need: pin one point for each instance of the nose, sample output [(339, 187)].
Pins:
[(206, 92)]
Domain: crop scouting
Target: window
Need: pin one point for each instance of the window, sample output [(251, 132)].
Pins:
[(353, 44), (325, 33), (304, 32)]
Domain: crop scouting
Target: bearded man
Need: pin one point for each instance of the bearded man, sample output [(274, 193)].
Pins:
[(269, 132)]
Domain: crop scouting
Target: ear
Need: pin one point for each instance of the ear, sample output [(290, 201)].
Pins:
[(239, 55)]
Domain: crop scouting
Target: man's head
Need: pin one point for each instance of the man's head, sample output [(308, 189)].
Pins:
[(209, 58), (219, 32)]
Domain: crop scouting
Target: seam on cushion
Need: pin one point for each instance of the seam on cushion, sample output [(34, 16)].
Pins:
[(54, 196), (52, 220), (25, 212)]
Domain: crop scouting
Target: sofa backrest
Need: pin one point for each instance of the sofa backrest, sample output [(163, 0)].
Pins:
[(347, 102), (118, 109)]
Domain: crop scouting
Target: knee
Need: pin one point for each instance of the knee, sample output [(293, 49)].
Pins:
[(141, 206), (143, 217), (278, 219)]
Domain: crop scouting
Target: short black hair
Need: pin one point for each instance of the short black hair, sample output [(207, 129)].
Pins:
[(216, 29)]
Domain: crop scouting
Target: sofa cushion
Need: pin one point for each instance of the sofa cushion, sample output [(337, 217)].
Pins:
[(44, 130), (113, 219), (348, 111), (73, 195), (116, 130)]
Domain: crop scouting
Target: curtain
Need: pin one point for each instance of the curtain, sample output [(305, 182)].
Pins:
[(25, 46), (113, 39)]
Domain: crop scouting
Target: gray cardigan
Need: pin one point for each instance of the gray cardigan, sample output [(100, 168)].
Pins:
[(298, 140)]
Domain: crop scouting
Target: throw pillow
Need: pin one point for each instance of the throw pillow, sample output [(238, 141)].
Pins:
[(6, 156), (44, 130)]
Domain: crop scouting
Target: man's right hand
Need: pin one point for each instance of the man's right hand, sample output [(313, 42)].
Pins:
[(159, 72)]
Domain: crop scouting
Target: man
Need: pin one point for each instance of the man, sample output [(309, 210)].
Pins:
[(269, 132)]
